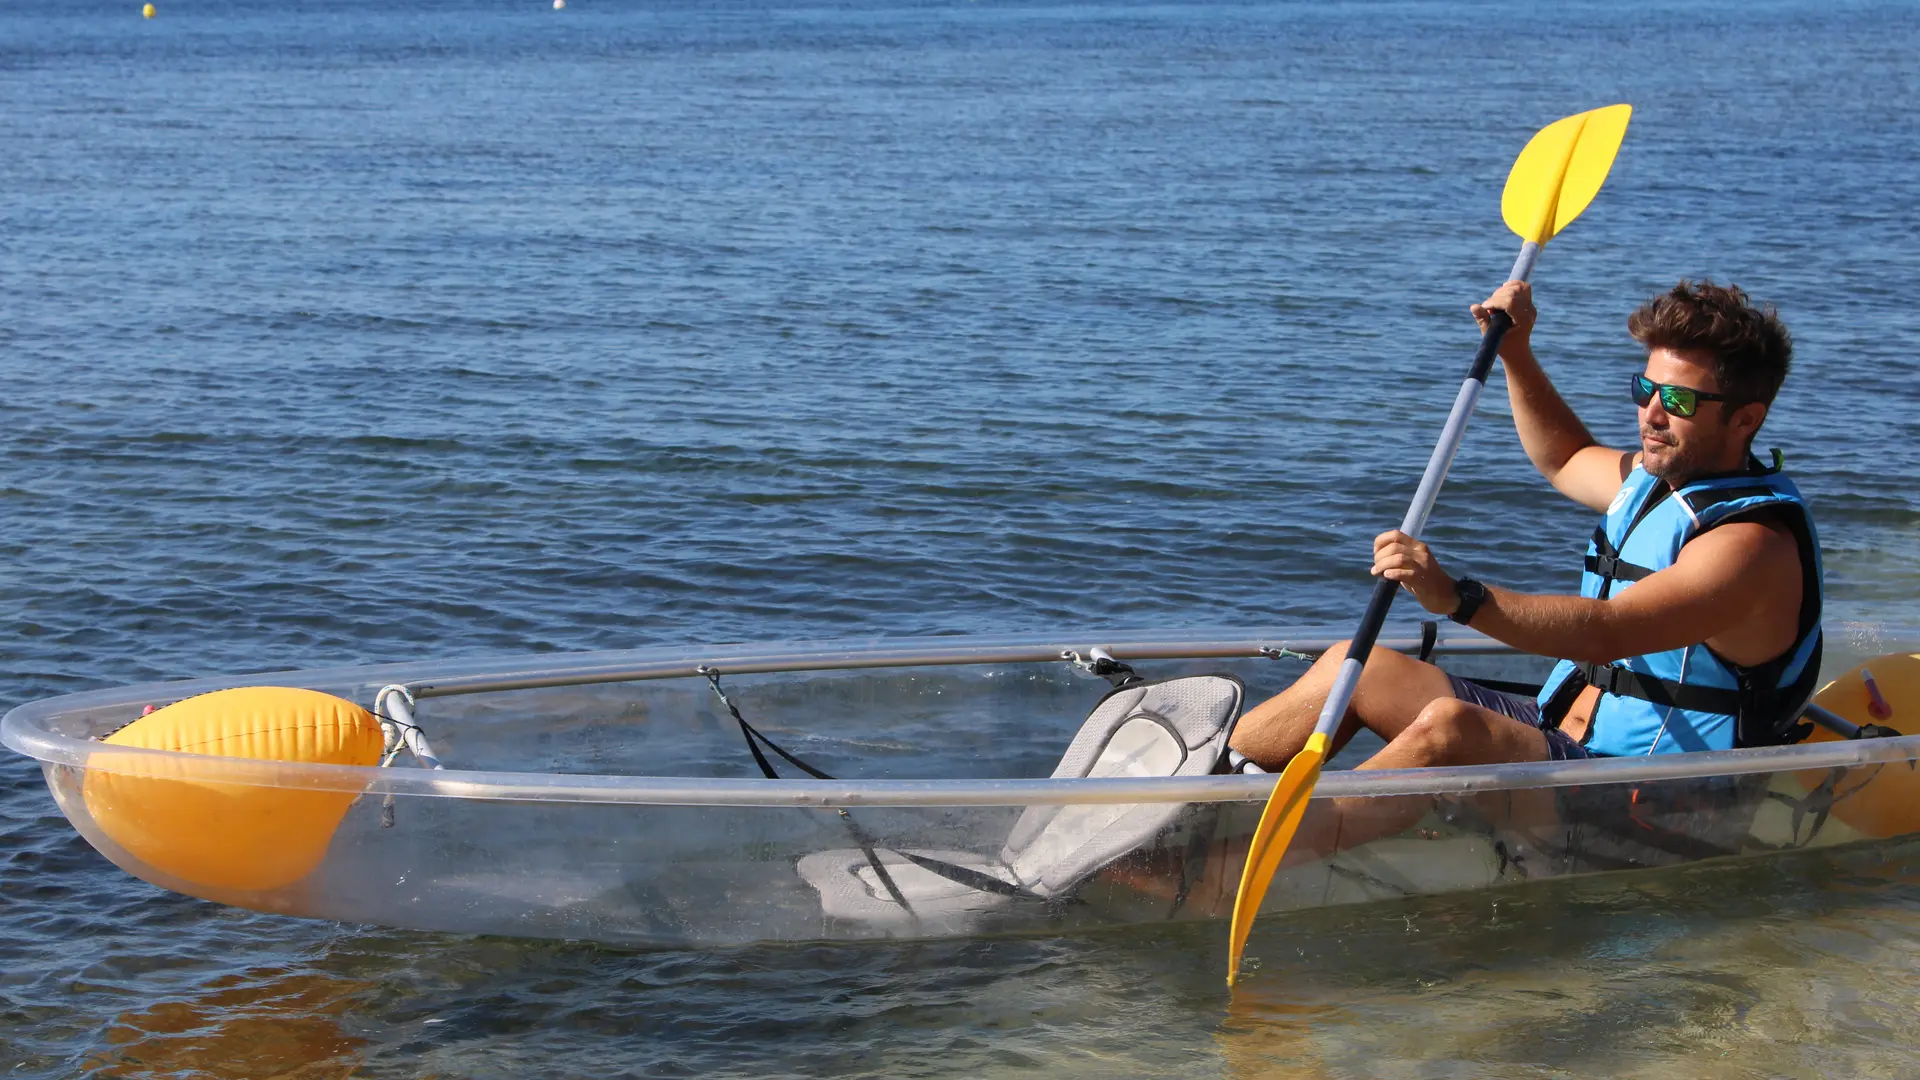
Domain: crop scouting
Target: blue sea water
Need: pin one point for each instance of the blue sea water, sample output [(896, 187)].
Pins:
[(344, 331)]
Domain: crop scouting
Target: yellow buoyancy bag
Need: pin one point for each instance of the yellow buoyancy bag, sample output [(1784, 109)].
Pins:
[(1878, 800), (226, 835)]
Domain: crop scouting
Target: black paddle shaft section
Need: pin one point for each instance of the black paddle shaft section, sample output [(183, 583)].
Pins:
[(1498, 323)]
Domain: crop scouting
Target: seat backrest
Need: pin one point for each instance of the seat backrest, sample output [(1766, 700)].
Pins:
[(1178, 727)]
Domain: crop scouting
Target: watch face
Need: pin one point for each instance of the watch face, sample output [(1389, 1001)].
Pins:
[(1471, 594)]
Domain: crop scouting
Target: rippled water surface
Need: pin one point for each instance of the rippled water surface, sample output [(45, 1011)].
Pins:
[(339, 331)]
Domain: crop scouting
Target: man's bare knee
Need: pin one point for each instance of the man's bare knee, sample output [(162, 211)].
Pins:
[(1449, 712), (1441, 730), (1449, 731), (1393, 687)]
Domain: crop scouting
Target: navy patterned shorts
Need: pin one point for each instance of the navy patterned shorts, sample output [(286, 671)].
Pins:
[(1560, 745)]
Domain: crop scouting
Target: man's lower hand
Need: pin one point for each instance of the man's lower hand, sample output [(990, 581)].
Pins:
[(1399, 557)]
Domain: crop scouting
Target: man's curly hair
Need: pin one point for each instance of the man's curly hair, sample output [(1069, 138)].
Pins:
[(1750, 346)]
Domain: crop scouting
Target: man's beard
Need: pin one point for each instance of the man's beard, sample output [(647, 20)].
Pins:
[(1681, 464)]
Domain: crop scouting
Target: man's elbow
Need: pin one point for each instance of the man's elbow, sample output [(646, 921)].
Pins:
[(1592, 654), (1551, 465), (1615, 633), (1606, 641)]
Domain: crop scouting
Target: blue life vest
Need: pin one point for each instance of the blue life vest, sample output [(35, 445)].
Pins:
[(1691, 698)]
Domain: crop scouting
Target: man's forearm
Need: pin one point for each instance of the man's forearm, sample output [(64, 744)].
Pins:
[(1568, 627), (1549, 431)]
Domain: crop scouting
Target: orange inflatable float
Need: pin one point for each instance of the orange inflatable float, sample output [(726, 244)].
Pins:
[(1877, 800), (220, 834)]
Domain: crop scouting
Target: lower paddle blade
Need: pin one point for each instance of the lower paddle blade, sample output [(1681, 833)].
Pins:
[(1281, 819), (1561, 170)]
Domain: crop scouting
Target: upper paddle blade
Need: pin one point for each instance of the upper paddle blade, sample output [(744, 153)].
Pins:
[(1281, 819), (1561, 170)]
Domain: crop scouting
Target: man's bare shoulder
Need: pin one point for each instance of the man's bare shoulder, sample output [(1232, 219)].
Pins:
[(1757, 541), (1757, 558)]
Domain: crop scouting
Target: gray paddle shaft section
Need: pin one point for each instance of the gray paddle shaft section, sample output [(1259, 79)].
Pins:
[(1348, 679)]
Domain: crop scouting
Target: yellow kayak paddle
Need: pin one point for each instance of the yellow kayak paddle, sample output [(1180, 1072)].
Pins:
[(1555, 178)]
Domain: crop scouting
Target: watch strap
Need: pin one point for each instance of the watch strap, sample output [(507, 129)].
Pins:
[(1472, 595)]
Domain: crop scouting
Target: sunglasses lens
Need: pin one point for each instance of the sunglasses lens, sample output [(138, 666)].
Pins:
[(1678, 400), (1642, 390)]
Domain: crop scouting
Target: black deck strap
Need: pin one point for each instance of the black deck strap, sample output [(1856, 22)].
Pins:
[(974, 879), (866, 845), (1510, 857), (1193, 862), (1819, 802), (1823, 798), (860, 837), (1429, 637), (1625, 682), (754, 736)]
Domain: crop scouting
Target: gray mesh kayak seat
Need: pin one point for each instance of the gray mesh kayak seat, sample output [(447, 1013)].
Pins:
[(1174, 728)]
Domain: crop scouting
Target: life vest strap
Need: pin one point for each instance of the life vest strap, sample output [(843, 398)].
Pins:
[(1701, 501), (1605, 562), (1615, 568), (1625, 682)]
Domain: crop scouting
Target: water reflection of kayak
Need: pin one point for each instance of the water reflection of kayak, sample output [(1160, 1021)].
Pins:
[(613, 797)]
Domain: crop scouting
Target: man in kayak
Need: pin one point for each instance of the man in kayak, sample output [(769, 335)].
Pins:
[(1697, 623)]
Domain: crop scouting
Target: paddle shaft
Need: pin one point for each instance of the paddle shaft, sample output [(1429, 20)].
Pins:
[(1348, 679)]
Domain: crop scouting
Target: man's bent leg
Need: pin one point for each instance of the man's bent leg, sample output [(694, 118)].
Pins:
[(1394, 688), (1444, 731)]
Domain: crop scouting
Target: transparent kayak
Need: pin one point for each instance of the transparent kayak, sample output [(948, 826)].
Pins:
[(612, 796)]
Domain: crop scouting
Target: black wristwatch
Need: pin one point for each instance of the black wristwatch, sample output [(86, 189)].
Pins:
[(1472, 595)]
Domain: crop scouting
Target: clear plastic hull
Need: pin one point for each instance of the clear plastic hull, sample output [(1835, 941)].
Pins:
[(626, 809)]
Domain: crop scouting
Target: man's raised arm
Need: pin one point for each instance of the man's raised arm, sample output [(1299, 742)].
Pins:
[(1557, 443)]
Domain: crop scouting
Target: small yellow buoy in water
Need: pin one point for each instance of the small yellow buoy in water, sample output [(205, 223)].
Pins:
[(180, 818), (147, 12)]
